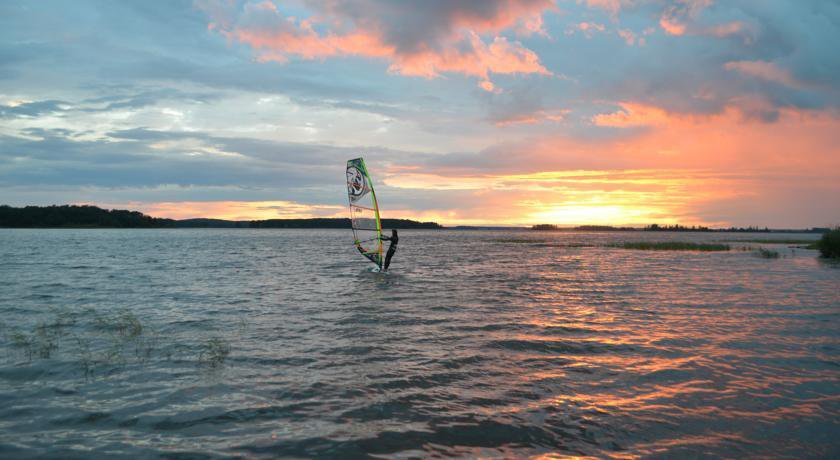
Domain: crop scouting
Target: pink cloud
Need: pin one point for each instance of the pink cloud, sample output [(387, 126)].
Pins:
[(681, 18), (611, 6), (588, 29), (453, 42), (672, 26), (764, 70), (675, 16), (727, 29), (629, 37)]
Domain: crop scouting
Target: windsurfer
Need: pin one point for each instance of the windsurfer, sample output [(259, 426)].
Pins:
[(392, 248)]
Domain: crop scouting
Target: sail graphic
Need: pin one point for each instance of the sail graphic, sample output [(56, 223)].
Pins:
[(364, 211)]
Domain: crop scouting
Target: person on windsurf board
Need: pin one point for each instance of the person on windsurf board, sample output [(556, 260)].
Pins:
[(392, 248), (364, 216)]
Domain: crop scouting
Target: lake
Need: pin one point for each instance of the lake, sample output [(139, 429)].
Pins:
[(265, 343)]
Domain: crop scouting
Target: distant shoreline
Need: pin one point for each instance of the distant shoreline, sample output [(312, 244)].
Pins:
[(93, 217), (82, 217)]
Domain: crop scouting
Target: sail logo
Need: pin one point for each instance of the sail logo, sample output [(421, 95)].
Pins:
[(356, 183)]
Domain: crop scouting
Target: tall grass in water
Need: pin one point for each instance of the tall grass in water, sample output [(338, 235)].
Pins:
[(672, 246), (101, 343), (829, 244), (767, 253)]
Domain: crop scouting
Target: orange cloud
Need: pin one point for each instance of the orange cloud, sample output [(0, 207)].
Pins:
[(632, 114), (459, 48), (672, 26), (532, 118)]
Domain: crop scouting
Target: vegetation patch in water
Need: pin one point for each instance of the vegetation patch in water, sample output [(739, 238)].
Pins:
[(671, 246), (767, 253), (214, 352), (776, 241), (101, 343), (829, 244), (518, 241)]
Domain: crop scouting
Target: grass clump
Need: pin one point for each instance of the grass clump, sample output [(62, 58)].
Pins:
[(767, 253), (829, 244), (776, 241), (104, 342), (672, 246), (214, 352), (518, 240)]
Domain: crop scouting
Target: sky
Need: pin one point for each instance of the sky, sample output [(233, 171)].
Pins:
[(471, 112)]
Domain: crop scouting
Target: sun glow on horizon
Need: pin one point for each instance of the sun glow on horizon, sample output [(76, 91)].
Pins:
[(604, 214)]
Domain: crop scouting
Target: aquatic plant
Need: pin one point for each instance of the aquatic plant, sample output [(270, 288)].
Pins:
[(829, 244), (101, 343), (123, 324), (775, 241), (671, 246), (767, 253), (45, 340), (214, 352), (21, 341), (518, 240)]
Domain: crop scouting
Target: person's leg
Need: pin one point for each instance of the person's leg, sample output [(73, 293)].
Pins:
[(391, 250)]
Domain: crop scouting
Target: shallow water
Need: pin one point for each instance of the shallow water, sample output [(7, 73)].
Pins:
[(511, 343)]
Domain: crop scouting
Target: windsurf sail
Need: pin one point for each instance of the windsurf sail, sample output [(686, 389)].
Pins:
[(364, 211)]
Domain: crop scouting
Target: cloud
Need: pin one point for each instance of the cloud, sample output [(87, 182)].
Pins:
[(425, 39), (588, 29), (229, 209), (632, 115), (520, 105), (611, 6), (32, 109), (537, 116), (764, 70), (676, 15)]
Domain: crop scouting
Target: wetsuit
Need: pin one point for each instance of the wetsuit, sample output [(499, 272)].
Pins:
[(394, 239)]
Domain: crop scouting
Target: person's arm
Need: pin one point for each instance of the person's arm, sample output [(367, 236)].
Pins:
[(385, 238)]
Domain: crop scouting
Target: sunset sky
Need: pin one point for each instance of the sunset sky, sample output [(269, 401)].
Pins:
[(467, 112)]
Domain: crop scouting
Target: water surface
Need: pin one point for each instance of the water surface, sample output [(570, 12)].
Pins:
[(256, 343)]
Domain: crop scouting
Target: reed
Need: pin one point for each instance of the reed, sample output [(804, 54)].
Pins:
[(829, 244), (775, 241), (101, 343), (767, 253), (671, 246)]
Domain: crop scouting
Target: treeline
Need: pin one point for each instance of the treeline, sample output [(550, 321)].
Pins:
[(583, 228), (72, 216), (340, 223), (77, 216), (668, 228)]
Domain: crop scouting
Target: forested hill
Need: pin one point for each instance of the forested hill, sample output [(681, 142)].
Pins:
[(77, 216), (72, 216)]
